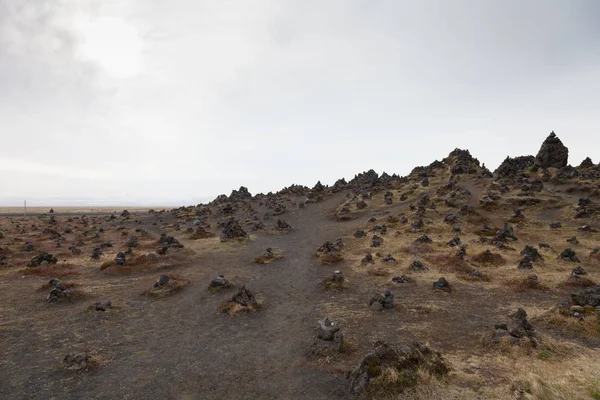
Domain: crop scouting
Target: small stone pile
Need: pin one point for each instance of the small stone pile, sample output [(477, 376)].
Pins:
[(96, 253), (569, 255), (233, 231), (382, 301), (516, 330), (387, 197), (402, 279), (331, 252), (423, 239), (442, 284), (552, 153), (218, 282), (58, 291), (78, 361), (329, 338), (245, 298), (120, 259), (167, 242), (417, 266), (40, 258), (100, 306), (282, 226)]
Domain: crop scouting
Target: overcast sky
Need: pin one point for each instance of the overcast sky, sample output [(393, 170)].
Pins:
[(169, 102)]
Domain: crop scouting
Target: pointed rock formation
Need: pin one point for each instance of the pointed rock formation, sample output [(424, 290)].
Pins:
[(553, 153)]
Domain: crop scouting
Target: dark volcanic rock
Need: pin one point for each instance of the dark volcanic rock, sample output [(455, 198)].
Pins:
[(233, 230), (37, 260), (511, 167), (587, 163), (569, 255), (441, 284), (552, 153), (515, 329), (587, 297)]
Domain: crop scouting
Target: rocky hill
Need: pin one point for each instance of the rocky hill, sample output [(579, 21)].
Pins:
[(454, 282)]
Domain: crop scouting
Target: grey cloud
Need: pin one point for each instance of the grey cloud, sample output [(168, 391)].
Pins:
[(269, 93)]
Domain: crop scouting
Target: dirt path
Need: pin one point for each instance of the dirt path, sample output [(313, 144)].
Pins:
[(179, 347)]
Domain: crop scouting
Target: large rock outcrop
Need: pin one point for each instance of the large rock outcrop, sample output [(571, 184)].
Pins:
[(553, 153)]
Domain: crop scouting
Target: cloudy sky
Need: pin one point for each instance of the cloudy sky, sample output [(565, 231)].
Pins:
[(172, 102)]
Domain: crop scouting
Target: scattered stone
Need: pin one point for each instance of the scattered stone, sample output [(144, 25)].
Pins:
[(454, 242), (578, 271), (418, 224), (389, 258), (28, 247), (586, 228), (532, 253), (218, 282), (361, 205), (587, 297), (451, 219), (133, 242), (507, 232), (338, 276), (573, 240), (423, 239), (360, 233), (402, 279), (525, 263), (442, 284), (569, 255), (58, 291), (78, 361), (161, 282), (476, 274), (376, 241), (282, 226), (417, 265), (368, 259), (555, 225), (96, 253), (100, 306), (382, 301), (120, 258), (37, 260), (462, 252)]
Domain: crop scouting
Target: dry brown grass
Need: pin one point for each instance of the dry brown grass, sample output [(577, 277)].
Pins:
[(489, 258), (48, 286), (58, 270), (268, 260), (330, 258), (336, 286), (524, 284), (378, 271), (586, 327), (573, 282), (232, 308)]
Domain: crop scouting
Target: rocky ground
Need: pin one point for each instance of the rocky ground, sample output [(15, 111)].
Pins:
[(450, 283)]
